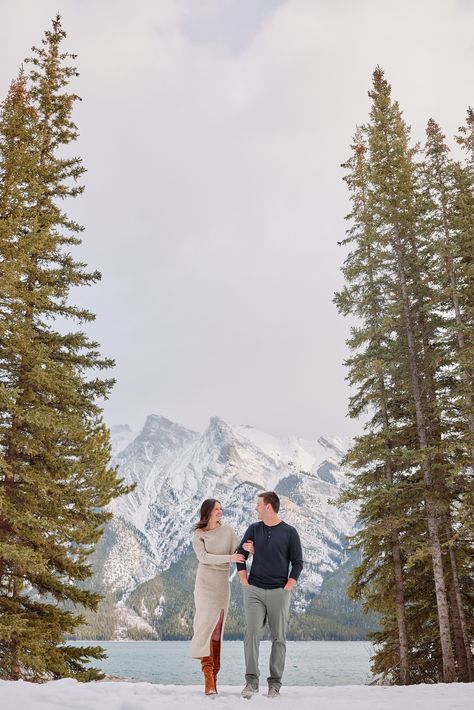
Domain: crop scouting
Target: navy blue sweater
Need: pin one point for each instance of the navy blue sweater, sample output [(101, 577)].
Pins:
[(276, 547)]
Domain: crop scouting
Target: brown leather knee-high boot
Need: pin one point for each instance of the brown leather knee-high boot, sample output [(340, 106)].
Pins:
[(216, 658), (208, 670)]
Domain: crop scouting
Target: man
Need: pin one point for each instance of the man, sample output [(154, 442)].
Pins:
[(267, 591)]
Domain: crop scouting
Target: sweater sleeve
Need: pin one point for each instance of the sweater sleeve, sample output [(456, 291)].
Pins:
[(248, 535), (296, 555), (235, 541), (205, 557)]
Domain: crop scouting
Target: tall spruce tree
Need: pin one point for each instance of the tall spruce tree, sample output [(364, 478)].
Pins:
[(54, 447), (464, 257), (464, 220), (441, 178), (372, 369), (394, 204), (412, 466)]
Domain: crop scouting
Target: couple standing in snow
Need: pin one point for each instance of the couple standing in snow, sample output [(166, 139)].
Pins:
[(274, 545)]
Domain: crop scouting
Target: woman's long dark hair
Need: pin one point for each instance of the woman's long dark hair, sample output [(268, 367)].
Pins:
[(205, 513)]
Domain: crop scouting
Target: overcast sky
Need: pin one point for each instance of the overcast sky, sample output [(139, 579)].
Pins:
[(213, 132)]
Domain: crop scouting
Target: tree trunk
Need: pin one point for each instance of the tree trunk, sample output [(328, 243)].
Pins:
[(15, 664), (400, 608), (461, 660), (467, 669), (397, 563), (431, 504)]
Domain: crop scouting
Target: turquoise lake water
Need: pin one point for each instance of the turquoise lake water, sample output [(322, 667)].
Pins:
[(307, 662)]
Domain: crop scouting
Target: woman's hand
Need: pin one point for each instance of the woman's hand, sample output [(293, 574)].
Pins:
[(248, 547), (237, 557)]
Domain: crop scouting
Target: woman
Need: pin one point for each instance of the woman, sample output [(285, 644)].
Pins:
[(214, 545)]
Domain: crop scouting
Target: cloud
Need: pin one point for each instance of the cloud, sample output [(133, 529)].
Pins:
[(213, 136)]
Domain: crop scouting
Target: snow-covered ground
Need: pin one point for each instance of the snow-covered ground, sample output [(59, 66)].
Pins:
[(69, 695)]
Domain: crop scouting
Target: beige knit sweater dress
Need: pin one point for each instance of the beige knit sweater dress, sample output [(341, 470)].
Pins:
[(213, 549)]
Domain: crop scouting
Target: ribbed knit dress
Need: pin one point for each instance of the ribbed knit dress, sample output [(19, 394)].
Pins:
[(213, 549)]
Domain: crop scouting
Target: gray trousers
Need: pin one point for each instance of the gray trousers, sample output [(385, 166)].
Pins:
[(263, 606)]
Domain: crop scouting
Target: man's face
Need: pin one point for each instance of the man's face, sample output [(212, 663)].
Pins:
[(260, 508)]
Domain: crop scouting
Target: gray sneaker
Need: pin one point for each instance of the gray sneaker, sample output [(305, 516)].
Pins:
[(249, 691), (273, 692)]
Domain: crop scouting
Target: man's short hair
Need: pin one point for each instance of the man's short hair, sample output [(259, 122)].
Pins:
[(270, 498)]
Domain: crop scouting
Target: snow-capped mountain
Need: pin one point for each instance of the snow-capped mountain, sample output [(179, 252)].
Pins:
[(175, 469), (120, 436)]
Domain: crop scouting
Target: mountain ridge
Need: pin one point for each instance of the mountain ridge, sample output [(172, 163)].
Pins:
[(175, 469)]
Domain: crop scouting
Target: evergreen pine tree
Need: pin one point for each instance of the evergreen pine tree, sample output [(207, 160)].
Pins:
[(440, 178), (411, 467), (372, 369), (464, 221), (54, 447), (394, 203)]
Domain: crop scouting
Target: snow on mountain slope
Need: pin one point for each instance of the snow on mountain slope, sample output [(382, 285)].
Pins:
[(175, 469), (120, 436)]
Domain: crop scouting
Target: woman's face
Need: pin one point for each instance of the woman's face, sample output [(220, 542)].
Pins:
[(216, 514)]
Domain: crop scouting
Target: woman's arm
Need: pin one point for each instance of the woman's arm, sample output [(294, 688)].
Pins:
[(235, 541), (205, 557)]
